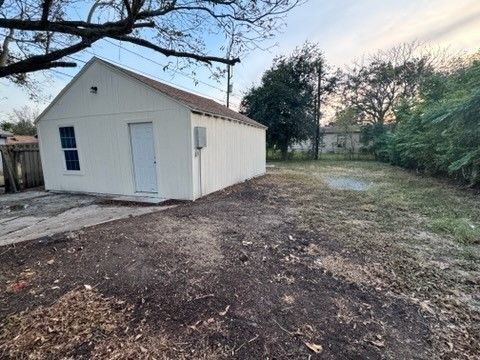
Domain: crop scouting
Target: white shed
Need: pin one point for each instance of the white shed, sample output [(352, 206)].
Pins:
[(113, 131)]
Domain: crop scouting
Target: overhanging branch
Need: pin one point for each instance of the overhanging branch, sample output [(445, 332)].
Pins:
[(169, 52), (185, 19), (47, 61)]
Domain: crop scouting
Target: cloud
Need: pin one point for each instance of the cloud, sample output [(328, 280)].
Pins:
[(456, 25)]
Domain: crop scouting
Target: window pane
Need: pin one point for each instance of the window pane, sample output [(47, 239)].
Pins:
[(71, 160), (67, 137)]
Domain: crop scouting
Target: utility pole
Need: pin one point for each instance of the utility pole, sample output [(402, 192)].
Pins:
[(229, 87), (229, 67), (317, 112)]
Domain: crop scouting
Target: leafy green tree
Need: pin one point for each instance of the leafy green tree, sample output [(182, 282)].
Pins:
[(376, 138), (439, 131), (6, 126), (284, 99), (21, 121)]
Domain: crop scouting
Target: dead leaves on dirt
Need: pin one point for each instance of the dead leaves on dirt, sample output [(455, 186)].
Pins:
[(82, 322), (79, 317)]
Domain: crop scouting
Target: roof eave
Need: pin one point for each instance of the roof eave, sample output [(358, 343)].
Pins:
[(202, 112)]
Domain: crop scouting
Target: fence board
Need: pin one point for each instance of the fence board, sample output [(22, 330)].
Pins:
[(22, 166)]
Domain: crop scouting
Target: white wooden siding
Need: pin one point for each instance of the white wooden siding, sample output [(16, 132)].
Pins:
[(235, 152), (101, 128)]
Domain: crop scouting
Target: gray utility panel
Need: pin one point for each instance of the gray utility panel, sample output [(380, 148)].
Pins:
[(200, 137)]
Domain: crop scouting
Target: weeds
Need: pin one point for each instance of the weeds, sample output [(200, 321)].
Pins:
[(424, 232)]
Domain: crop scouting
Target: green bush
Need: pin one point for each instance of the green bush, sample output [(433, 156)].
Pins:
[(437, 132)]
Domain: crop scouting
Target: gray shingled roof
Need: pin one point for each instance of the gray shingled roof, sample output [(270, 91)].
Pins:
[(194, 102)]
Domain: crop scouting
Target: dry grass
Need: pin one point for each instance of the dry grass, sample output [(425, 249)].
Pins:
[(414, 236)]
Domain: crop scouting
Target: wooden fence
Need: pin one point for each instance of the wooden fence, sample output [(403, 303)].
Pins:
[(22, 167)]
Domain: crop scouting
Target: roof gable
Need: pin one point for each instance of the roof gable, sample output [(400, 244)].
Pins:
[(117, 93)]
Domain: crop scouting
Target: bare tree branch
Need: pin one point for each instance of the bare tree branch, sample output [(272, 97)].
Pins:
[(47, 61), (169, 52), (173, 28)]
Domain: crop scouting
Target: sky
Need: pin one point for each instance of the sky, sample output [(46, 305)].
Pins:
[(344, 29)]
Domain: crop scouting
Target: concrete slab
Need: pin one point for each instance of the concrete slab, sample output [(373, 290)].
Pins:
[(35, 214), (139, 199)]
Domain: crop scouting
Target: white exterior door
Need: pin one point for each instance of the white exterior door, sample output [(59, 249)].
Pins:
[(143, 155)]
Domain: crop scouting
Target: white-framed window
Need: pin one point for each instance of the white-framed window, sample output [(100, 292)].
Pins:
[(69, 148)]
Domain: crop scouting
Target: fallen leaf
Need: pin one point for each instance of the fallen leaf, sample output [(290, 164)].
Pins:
[(223, 313), (425, 306), (316, 348), (378, 343)]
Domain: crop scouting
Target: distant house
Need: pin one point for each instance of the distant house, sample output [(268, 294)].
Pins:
[(113, 131), (333, 140), (21, 139), (338, 140)]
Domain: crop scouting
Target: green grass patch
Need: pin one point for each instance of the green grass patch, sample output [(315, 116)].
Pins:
[(445, 208), (460, 228), (308, 156)]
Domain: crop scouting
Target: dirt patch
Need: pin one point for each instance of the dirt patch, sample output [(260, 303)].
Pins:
[(244, 273)]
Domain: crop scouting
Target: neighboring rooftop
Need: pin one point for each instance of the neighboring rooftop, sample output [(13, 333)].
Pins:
[(21, 139), (194, 102), (5, 134), (335, 129)]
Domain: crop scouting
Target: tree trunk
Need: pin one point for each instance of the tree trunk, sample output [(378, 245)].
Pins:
[(284, 152)]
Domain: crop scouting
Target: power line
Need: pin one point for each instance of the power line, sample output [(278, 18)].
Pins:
[(61, 73), (156, 77), (151, 75), (173, 70), (145, 73), (159, 64)]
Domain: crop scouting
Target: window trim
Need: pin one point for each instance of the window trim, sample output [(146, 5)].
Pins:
[(64, 162)]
